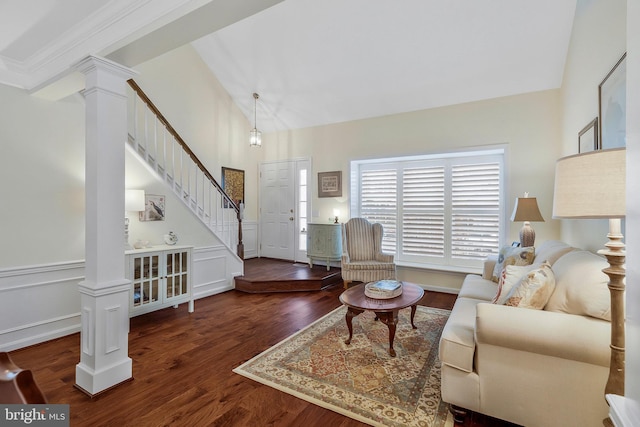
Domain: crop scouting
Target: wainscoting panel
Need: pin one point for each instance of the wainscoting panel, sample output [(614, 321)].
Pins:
[(250, 239), (213, 271), (41, 303)]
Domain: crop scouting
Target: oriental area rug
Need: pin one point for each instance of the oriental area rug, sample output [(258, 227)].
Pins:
[(361, 380)]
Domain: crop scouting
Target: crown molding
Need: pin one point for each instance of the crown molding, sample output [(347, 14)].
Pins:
[(115, 24)]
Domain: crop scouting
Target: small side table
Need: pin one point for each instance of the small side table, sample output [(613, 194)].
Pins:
[(385, 309)]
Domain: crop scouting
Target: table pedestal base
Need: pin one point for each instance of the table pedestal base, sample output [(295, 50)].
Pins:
[(389, 318)]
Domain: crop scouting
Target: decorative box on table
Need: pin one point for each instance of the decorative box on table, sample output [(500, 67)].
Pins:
[(383, 289)]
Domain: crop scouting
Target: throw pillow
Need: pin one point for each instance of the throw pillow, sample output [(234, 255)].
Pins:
[(510, 277), (534, 290), (510, 255), (581, 286)]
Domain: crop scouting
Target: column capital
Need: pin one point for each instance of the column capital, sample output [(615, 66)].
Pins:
[(92, 63)]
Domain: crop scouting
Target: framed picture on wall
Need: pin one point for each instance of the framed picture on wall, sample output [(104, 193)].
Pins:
[(612, 100), (330, 184), (588, 137), (233, 185), (153, 208)]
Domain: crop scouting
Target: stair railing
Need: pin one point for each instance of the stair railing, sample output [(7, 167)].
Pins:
[(153, 138)]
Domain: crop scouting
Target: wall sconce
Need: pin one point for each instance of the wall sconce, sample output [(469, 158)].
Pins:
[(133, 202)]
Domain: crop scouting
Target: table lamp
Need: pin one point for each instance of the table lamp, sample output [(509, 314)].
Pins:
[(592, 185), (526, 209)]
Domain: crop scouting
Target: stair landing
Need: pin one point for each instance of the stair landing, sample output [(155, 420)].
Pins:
[(263, 275)]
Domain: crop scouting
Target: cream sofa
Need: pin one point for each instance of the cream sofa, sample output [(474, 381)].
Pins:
[(532, 367)]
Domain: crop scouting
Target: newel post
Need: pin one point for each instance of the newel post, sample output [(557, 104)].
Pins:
[(240, 249)]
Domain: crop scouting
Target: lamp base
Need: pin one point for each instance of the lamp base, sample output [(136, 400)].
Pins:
[(527, 235), (616, 257)]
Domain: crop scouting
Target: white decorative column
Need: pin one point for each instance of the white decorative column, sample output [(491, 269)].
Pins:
[(104, 294)]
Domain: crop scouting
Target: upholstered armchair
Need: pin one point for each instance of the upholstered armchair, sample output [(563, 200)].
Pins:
[(362, 257)]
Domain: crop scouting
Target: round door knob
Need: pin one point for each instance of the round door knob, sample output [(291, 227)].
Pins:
[(290, 218)]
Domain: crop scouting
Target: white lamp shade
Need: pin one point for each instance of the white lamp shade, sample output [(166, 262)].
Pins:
[(591, 185), (133, 200)]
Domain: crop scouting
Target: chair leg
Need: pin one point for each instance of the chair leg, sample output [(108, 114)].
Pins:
[(346, 283)]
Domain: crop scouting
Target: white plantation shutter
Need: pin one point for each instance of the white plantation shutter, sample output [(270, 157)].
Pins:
[(443, 210), (423, 211), (475, 210), (379, 203)]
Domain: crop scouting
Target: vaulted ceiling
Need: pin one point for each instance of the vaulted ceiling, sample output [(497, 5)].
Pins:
[(312, 62)]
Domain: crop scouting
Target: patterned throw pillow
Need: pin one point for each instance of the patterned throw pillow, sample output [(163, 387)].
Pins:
[(510, 277), (510, 255), (534, 290)]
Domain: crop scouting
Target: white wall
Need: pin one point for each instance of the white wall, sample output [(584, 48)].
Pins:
[(42, 215), (41, 179), (633, 207), (598, 40)]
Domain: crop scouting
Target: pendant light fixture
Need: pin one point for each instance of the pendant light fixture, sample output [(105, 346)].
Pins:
[(255, 139)]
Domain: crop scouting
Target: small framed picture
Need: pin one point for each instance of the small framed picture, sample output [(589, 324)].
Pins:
[(515, 244), (330, 184), (612, 104), (153, 208), (588, 137)]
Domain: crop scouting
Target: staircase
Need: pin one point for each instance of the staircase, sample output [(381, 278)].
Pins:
[(157, 143)]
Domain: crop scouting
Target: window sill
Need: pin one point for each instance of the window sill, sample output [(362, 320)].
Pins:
[(441, 268)]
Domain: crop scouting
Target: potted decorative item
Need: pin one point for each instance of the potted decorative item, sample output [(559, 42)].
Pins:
[(171, 238)]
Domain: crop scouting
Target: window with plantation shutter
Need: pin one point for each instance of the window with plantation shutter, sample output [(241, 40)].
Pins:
[(444, 211), (379, 202), (475, 210), (423, 214)]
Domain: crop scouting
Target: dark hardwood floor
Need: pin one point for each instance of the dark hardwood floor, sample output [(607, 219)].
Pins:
[(182, 365)]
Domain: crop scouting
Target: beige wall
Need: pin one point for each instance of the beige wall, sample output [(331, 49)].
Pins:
[(186, 92), (529, 125)]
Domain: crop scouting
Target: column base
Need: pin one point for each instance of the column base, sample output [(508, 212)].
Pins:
[(93, 382)]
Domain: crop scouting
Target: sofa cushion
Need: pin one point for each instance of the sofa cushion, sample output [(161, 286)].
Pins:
[(551, 250), (510, 255), (510, 277), (457, 343), (476, 287), (581, 286), (534, 289)]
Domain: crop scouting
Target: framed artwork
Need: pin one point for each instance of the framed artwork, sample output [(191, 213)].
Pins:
[(233, 185), (153, 208), (330, 184), (588, 137), (612, 106)]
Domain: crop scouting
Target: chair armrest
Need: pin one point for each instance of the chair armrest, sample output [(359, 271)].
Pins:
[(382, 257), (567, 336), (489, 264), (345, 258)]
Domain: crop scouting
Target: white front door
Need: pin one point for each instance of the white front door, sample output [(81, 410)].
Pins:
[(277, 210), (285, 207)]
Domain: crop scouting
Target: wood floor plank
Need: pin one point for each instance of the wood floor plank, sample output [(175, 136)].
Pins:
[(182, 365)]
